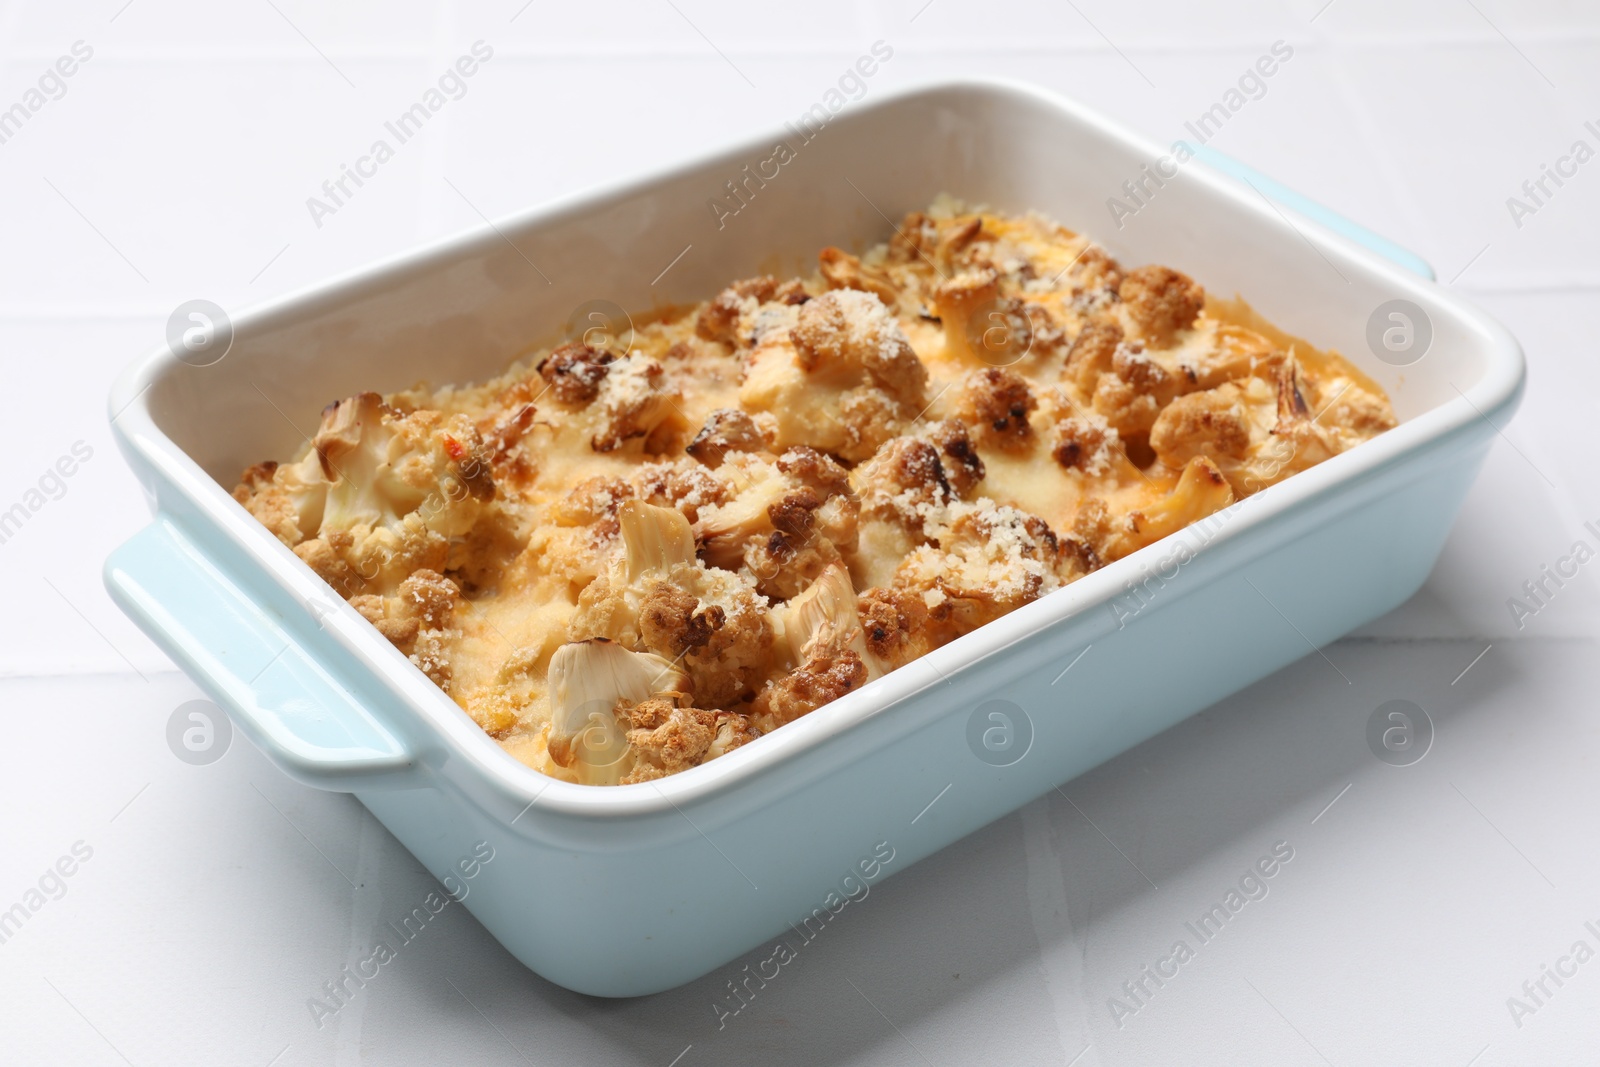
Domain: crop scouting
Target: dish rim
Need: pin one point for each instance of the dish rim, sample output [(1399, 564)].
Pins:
[(455, 741)]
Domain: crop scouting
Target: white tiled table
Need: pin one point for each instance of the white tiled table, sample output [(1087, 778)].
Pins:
[(216, 900)]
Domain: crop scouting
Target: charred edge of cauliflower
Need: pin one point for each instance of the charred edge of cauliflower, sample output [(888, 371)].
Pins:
[(998, 402)]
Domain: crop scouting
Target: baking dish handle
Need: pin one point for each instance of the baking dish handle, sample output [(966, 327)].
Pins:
[(1314, 211), (248, 661)]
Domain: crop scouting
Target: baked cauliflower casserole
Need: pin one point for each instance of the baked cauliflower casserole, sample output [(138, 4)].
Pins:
[(625, 559)]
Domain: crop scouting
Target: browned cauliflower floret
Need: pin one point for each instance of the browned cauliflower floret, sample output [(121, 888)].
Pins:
[(1161, 302), (681, 483), (989, 559), (826, 649), (665, 739), (785, 520), (1213, 423), (726, 430), (574, 372), (656, 596), (905, 481), (1088, 444), (963, 467), (722, 318), (841, 270), (997, 403), (416, 619), (635, 400), (1091, 354), (843, 380), (905, 490), (1260, 429), (846, 332), (815, 682), (895, 623), (611, 400), (1138, 387)]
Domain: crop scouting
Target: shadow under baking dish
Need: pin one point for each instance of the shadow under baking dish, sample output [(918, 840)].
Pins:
[(635, 889)]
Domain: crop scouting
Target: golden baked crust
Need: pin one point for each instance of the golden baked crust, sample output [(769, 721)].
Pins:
[(623, 563)]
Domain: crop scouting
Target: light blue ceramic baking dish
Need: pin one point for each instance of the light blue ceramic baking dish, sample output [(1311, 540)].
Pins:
[(636, 889)]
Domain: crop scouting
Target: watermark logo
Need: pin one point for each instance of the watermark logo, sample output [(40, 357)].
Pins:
[(199, 733), (1139, 190), (199, 333), (741, 189), (1537, 192), (1399, 332), (1399, 733), (999, 733), (1000, 331), (851, 888), (599, 740), (1540, 590), (1250, 887), (601, 324)]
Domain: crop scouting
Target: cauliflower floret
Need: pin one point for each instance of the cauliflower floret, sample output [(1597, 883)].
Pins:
[(1161, 302), (593, 684), (416, 619), (618, 717), (1091, 354), (728, 318), (841, 270), (844, 379), (1261, 429), (286, 498), (666, 739), (785, 520), (607, 399), (580, 534), (681, 483), (1088, 444), (826, 648), (997, 403), (726, 430), (656, 596), (389, 493), (963, 467), (1215, 423), (1201, 490), (894, 622), (989, 559)]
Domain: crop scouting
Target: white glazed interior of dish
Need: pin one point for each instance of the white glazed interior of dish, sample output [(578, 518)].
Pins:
[(464, 308)]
